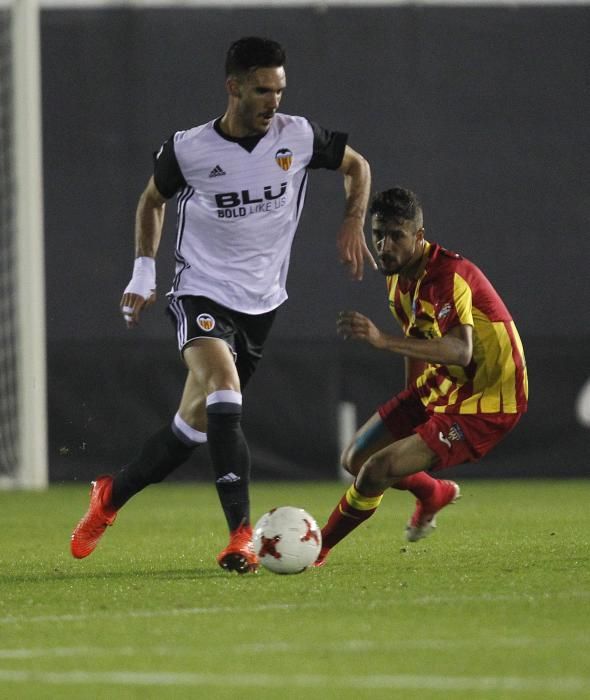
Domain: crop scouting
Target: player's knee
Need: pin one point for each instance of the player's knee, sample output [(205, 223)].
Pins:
[(350, 461), (379, 466), (223, 382)]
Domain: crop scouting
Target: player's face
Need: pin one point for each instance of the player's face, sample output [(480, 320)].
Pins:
[(398, 245), (258, 97)]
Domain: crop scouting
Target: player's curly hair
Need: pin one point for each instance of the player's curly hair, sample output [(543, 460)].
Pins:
[(252, 52), (398, 204)]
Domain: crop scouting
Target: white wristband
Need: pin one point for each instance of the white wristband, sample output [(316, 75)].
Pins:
[(143, 281)]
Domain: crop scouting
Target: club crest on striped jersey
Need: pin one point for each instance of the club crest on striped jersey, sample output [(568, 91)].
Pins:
[(206, 322), (445, 310), (284, 158)]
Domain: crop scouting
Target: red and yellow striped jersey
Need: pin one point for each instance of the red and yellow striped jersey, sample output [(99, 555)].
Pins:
[(449, 291)]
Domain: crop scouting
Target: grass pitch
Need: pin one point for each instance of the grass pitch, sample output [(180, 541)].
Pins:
[(495, 604)]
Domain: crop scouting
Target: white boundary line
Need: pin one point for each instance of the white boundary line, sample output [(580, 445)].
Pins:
[(349, 646), (518, 598), (554, 684), (176, 612)]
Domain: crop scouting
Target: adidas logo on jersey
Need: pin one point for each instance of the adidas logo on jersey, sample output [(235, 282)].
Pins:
[(217, 171)]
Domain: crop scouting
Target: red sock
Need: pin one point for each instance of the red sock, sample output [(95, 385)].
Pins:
[(422, 485), (354, 508)]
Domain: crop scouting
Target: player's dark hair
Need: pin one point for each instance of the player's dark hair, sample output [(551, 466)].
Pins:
[(252, 52), (397, 203)]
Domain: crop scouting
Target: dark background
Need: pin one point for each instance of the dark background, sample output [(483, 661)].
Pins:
[(482, 111)]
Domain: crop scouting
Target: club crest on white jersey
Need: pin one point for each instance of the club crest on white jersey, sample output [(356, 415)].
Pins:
[(284, 158)]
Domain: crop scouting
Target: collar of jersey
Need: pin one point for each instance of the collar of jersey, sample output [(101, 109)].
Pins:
[(249, 143)]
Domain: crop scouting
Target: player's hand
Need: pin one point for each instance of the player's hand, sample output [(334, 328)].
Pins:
[(132, 305), (352, 324), (353, 249), (141, 290)]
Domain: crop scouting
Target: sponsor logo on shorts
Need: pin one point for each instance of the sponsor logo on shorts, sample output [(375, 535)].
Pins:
[(442, 438), (455, 434), (206, 322), (284, 158)]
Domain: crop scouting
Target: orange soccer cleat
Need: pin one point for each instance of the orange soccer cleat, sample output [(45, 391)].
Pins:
[(99, 515), (239, 554), (423, 520)]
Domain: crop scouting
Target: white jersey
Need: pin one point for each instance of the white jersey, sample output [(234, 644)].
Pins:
[(239, 203)]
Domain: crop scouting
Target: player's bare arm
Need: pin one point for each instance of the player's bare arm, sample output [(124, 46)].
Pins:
[(454, 348), (149, 219), (352, 247)]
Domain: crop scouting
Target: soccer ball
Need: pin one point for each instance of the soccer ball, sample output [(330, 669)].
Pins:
[(287, 540)]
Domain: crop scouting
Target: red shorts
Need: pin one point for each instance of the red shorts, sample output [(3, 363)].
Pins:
[(454, 437)]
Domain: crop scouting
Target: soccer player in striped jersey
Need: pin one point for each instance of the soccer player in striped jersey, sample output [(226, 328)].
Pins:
[(240, 182), (466, 375)]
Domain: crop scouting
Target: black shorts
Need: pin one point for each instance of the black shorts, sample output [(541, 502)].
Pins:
[(199, 317)]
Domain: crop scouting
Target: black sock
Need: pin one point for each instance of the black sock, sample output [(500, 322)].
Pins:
[(231, 461), (161, 455)]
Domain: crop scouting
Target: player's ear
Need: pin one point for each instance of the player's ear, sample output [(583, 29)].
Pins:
[(233, 87)]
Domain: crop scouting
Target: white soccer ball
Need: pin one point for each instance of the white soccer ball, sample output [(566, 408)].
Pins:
[(287, 540)]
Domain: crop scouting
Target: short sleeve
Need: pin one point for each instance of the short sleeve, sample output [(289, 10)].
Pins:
[(167, 174), (459, 311), (328, 148)]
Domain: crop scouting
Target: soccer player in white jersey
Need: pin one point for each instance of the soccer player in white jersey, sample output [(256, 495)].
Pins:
[(240, 182)]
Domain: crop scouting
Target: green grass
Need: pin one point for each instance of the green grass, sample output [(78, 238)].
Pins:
[(494, 605)]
